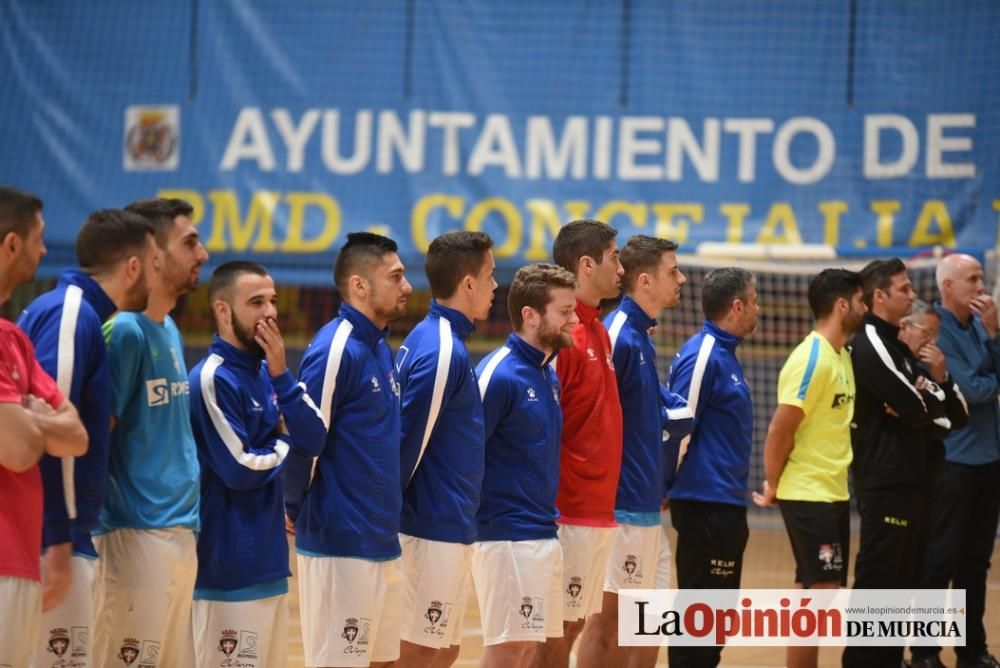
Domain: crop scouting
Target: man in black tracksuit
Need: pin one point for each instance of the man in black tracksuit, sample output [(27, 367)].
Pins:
[(900, 407)]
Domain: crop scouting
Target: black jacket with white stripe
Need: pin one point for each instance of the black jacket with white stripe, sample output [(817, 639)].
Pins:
[(899, 410)]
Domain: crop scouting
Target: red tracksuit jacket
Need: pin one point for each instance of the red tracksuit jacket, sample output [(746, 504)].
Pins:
[(591, 454)]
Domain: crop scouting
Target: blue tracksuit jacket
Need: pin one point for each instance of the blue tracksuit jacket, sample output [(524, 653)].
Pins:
[(648, 410), (520, 392), (64, 325), (441, 452), (235, 412), (349, 505), (715, 458)]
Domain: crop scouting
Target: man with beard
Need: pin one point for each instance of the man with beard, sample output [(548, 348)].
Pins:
[(441, 451), (247, 413), (708, 485), (808, 447), (37, 418), (148, 559), (116, 252), (346, 503), (517, 565)]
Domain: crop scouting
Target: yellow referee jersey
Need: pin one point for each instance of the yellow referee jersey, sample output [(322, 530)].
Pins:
[(820, 381)]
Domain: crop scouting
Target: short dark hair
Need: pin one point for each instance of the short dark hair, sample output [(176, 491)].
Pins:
[(453, 256), (533, 286), (642, 254), (877, 275), (18, 211), (226, 275), (161, 213), (581, 238), (362, 251), (109, 236), (828, 286), (721, 287)]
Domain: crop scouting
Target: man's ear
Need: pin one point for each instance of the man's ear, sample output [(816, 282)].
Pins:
[(222, 311), (357, 285), (11, 242), (529, 315), (133, 267)]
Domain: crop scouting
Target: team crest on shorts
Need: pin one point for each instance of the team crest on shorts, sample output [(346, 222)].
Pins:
[(633, 569), (228, 642), (531, 610), (356, 635), (434, 614), (574, 589), (58, 641), (830, 555), (526, 607), (129, 650)]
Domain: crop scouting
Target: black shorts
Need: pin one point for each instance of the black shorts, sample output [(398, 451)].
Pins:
[(820, 533), (711, 539)]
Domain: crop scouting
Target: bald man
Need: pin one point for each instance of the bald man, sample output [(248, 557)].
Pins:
[(965, 496)]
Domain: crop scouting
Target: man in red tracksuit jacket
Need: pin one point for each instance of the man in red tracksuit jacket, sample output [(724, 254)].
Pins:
[(591, 454)]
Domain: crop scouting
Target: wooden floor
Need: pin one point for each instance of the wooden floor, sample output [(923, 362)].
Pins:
[(768, 564)]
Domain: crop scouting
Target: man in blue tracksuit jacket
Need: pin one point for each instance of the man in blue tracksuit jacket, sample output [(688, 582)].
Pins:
[(115, 250), (517, 565), (652, 282), (708, 495), (346, 503), (247, 412), (441, 451)]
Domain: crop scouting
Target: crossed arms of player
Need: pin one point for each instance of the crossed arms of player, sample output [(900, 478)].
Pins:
[(33, 427)]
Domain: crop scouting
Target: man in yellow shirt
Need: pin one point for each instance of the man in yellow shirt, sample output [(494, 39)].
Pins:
[(808, 447)]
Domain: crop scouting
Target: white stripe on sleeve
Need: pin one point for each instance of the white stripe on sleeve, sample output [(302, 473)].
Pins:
[(225, 431), (491, 366), (309, 402), (694, 391), (445, 345), (333, 359), (886, 359), (616, 327), (66, 358)]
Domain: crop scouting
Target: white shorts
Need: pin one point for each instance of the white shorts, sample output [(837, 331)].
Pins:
[(145, 585), (519, 587), (665, 560), (20, 617), (634, 558), (65, 630), (585, 560), (437, 583), (349, 610), (252, 634)]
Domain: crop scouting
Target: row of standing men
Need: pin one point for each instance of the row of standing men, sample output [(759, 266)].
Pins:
[(538, 475)]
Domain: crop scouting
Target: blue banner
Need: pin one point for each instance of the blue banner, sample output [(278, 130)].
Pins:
[(868, 125)]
